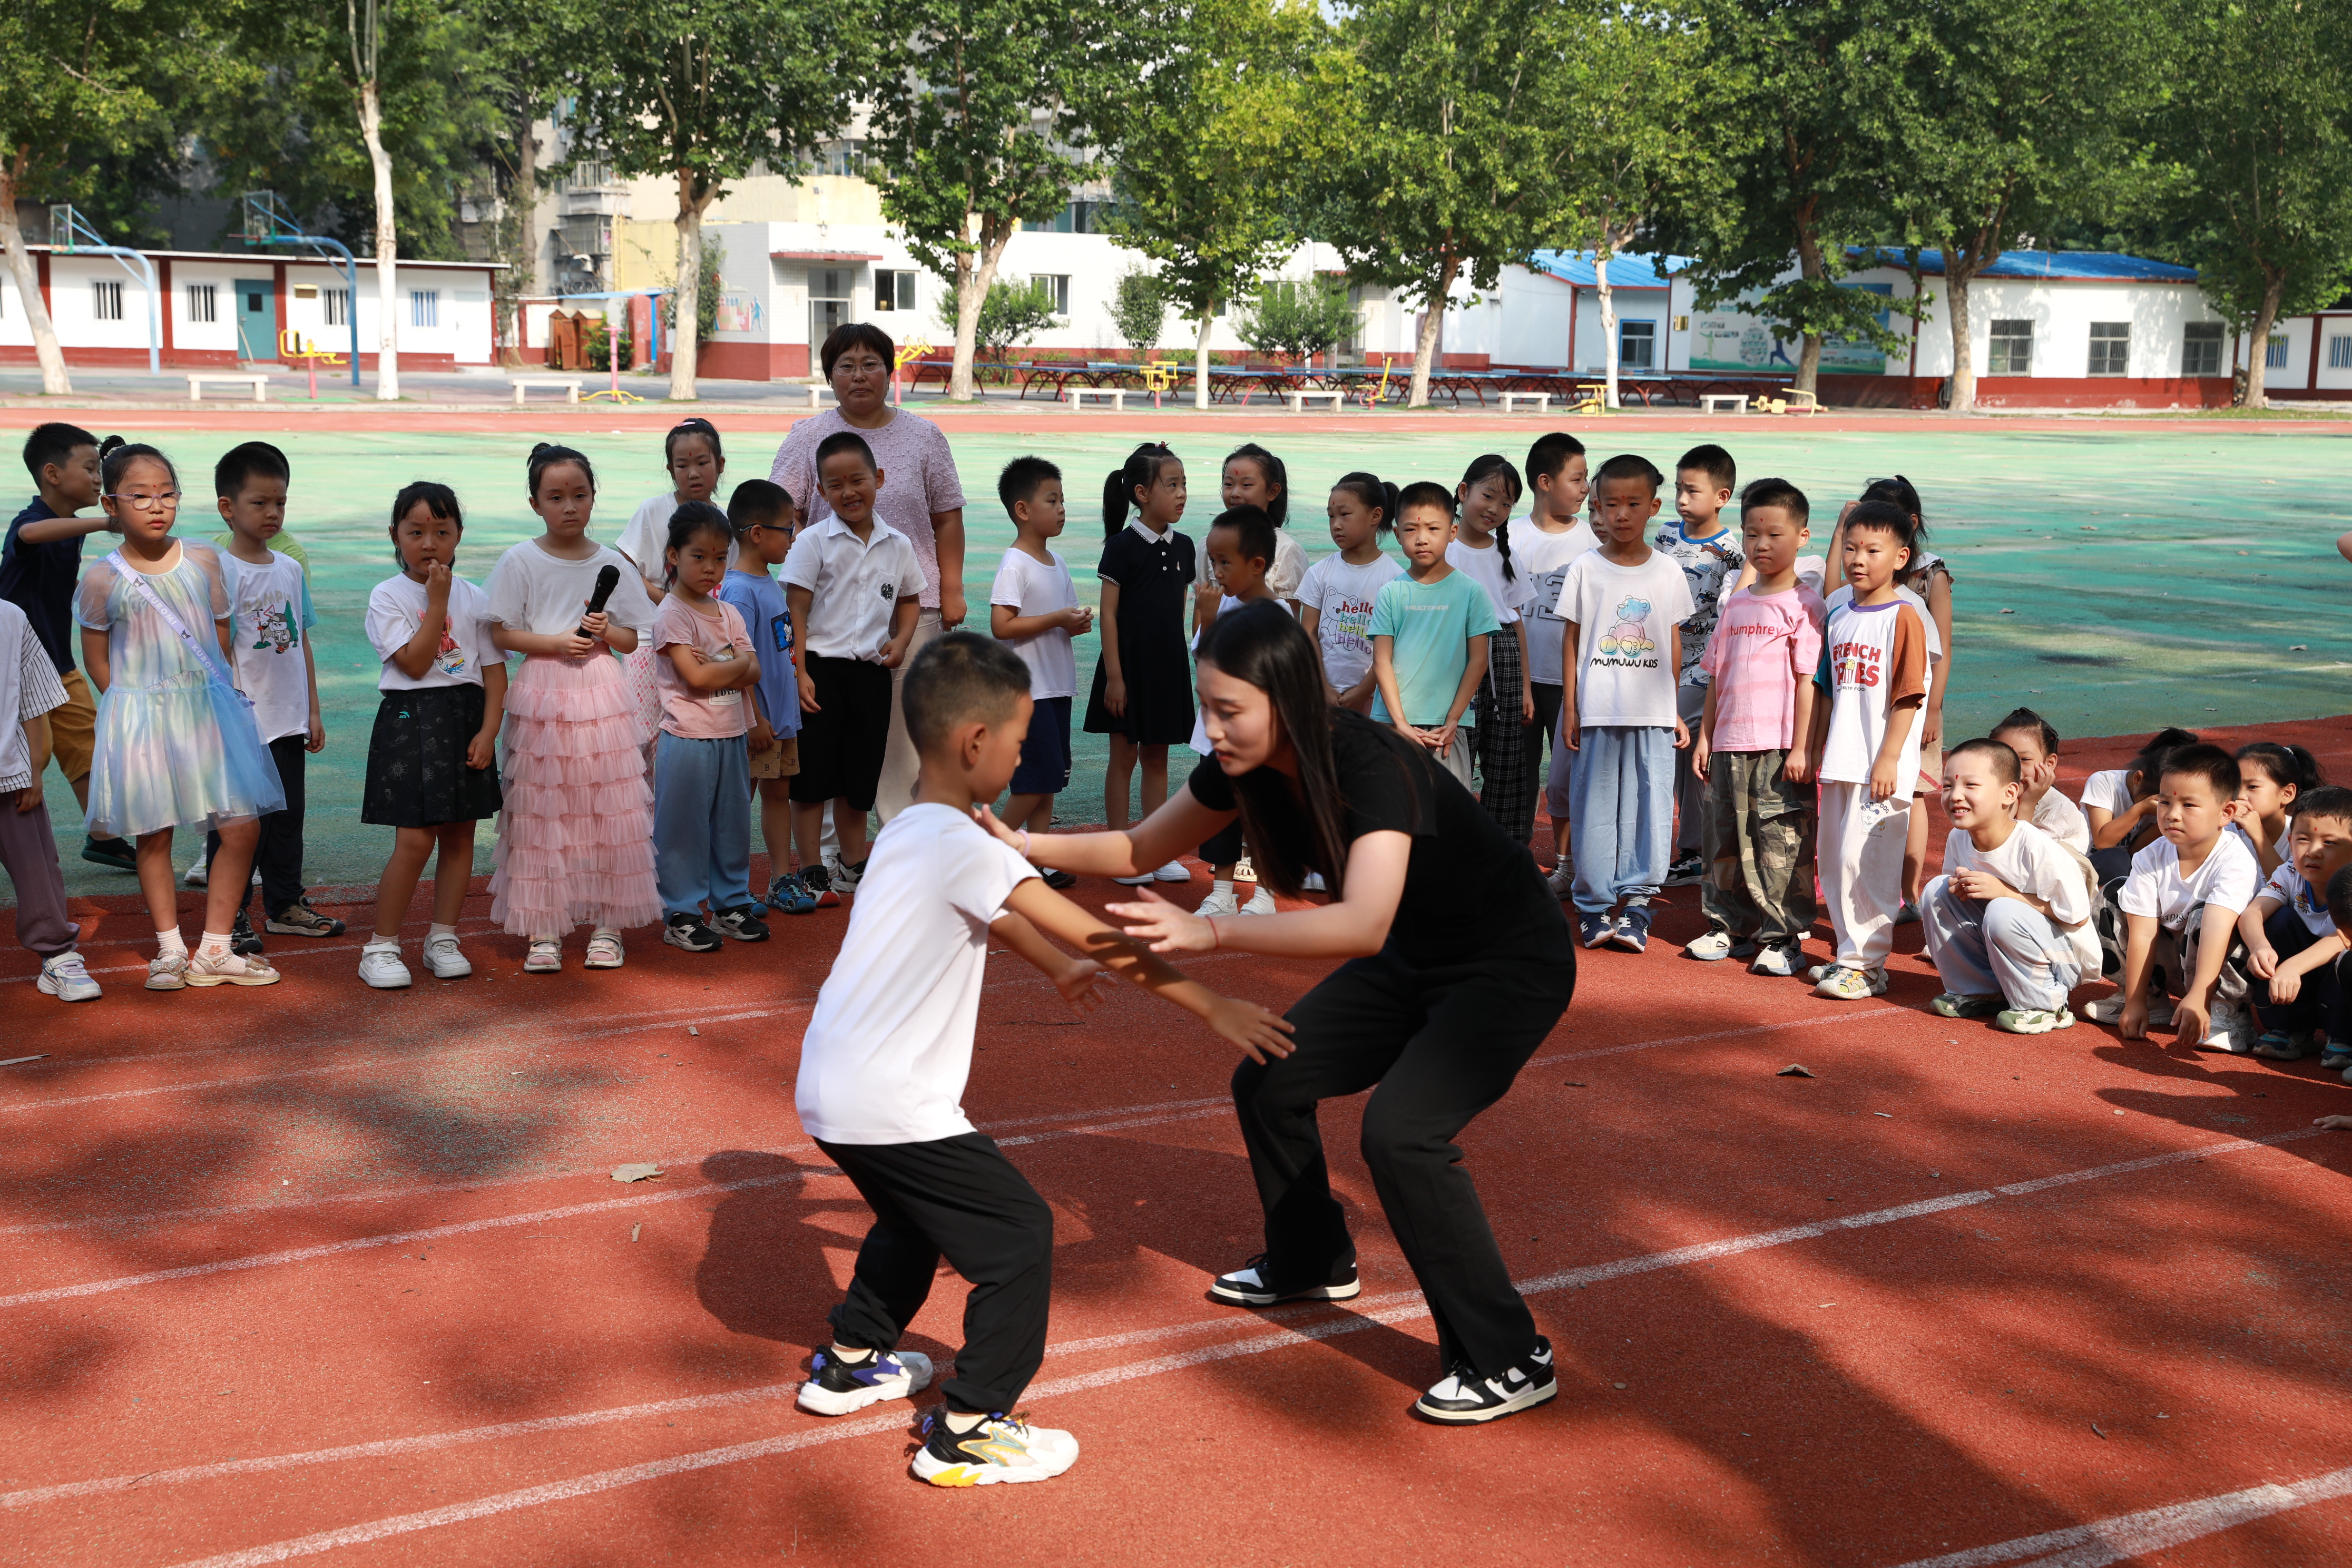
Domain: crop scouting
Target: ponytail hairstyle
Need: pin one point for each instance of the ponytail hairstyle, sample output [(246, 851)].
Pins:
[(1261, 644), (1277, 478), (439, 500), (115, 455), (2289, 766), (547, 455), (1889, 519), (2148, 765), (1372, 491), (1140, 471), (1901, 493), (692, 518), (695, 425), (1486, 467)]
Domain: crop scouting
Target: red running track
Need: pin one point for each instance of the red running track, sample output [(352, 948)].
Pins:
[(315, 1272)]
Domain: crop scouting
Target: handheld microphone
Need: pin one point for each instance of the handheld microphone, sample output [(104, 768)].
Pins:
[(607, 579)]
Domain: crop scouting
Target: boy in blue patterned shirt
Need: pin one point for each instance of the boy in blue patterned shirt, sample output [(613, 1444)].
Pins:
[(1708, 550)]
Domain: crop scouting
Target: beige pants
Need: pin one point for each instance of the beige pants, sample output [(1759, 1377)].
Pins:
[(1456, 760), (1862, 872), (900, 762)]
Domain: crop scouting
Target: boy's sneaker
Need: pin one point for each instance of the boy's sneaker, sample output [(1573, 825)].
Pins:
[(1001, 1448), (1137, 880), (1685, 870), (445, 960), (1261, 904), (740, 924), (1247, 1287), (2286, 1045), (1562, 880), (1632, 931), (1781, 961), (2031, 1020), (788, 895), (1060, 881), (1220, 901), (119, 853), (241, 940), (381, 968), (688, 932), (2110, 1010), (1908, 915), (1172, 872), (1462, 1398), (1957, 1005), (228, 969), (837, 1387), (2336, 1054), (1712, 948), (65, 977), (818, 880), (1851, 985), (845, 876), (2232, 1028), (298, 919), (1594, 931), (200, 875), (168, 972)]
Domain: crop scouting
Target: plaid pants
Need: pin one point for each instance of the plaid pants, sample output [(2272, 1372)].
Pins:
[(1507, 782), (1759, 850)]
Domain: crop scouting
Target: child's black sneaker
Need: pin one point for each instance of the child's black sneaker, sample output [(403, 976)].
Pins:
[(836, 1387), (688, 932), (1250, 1286), (739, 924), (1685, 870), (818, 880), (1632, 931), (1060, 881), (1001, 1448), (298, 919), (241, 940), (1594, 931), (1462, 1398)]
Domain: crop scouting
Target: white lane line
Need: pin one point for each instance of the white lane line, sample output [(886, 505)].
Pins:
[(1398, 1307), (2133, 1535)]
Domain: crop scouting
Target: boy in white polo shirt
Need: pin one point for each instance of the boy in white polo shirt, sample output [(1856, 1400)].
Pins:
[(887, 1055), (852, 583)]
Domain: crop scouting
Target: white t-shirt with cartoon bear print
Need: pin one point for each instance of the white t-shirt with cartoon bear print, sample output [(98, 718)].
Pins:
[(1625, 618)]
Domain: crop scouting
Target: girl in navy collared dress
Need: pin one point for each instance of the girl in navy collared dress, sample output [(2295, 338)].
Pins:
[(1142, 696)]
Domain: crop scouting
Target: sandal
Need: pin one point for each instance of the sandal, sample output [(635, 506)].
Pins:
[(604, 950), (545, 957)]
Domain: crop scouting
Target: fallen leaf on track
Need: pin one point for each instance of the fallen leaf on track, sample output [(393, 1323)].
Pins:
[(636, 1173)]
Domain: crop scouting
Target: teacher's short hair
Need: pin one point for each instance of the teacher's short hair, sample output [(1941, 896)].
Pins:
[(960, 678), (855, 335)]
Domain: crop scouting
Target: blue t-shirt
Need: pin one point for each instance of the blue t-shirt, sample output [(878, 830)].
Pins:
[(759, 601), (40, 579), (1432, 624)]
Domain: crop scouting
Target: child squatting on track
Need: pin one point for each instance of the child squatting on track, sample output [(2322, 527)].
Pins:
[(887, 1056)]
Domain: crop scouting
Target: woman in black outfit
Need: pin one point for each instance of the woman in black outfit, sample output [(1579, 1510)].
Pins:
[(1459, 963)]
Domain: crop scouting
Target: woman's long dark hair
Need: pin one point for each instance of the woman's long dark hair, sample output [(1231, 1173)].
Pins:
[(1261, 644)]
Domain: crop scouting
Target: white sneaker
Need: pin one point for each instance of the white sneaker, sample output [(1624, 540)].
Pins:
[(1172, 872), (1711, 948), (1137, 880), (1780, 960), (199, 875), (381, 969), (999, 1449), (444, 960), (1562, 880), (838, 1387), (1220, 901), (1261, 904), (2232, 1028), (845, 876), (63, 976)]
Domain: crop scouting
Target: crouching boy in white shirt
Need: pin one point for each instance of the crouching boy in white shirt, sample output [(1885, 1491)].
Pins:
[(885, 1057), (2009, 922)]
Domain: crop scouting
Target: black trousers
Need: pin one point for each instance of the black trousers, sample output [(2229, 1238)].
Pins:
[(960, 1198), (1225, 846), (1436, 1047), (279, 855), (2322, 1003)]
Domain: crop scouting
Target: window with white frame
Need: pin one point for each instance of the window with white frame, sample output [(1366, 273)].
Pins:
[(338, 302), (2200, 349), (2340, 352), (425, 306), (1054, 289), (894, 289), (204, 303), (2275, 353), (2012, 348), (2110, 348), (1637, 345), (106, 299)]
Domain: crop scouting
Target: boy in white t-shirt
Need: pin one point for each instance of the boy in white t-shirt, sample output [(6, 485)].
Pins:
[(889, 1050), (272, 618), (1623, 606), (2009, 922), (1034, 609), (1558, 483), (2293, 949), (2035, 741), (2180, 907), (1875, 677)]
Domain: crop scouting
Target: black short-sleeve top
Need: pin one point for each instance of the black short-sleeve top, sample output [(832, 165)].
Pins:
[(1469, 892)]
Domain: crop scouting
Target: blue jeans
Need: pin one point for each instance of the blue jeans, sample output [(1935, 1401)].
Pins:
[(702, 823), (1621, 799), (1980, 946)]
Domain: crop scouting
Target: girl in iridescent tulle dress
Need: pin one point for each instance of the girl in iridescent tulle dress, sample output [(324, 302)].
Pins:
[(176, 744), (575, 838)]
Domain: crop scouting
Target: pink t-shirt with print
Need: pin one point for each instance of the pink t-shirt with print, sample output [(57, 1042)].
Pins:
[(1763, 645), (699, 715)]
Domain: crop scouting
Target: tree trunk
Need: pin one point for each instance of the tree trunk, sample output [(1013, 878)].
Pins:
[(1957, 280), (1810, 267), (522, 251), (1809, 362), (55, 382), (685, 333), (1433, 323), (975, 276), (2258, 357), (1201, 356), (1608, 332), (387, 247)]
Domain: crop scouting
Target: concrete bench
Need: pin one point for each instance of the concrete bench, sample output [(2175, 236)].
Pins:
[(259, 383), (1543, 400), (1724, 403), (567, 385), (818, 393), (1078, 394), (1298, 397)]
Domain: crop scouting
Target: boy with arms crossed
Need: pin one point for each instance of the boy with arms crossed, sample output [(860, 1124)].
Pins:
[(766, 522)]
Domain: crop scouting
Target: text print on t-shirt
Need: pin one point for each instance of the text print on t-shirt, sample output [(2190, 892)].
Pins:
[(1857, 663), (1624, 642)]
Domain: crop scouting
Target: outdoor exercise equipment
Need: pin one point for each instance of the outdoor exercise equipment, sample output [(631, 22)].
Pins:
[(267, 222), (70, 235)]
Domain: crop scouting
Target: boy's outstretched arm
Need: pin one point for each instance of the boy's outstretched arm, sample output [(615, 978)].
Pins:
[(1035, 912), (2139, 959)]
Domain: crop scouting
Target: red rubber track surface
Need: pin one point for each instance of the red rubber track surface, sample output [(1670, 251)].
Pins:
[(316, 1272)]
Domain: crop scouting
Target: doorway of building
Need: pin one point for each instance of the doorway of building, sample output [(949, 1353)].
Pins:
[(257, 319)]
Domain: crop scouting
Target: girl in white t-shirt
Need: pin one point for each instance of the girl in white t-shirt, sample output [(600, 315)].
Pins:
[(692, 454), (1336, 597), (575, 838), (1507, 704), (1256, 477), (432, 769), (2271, 775)]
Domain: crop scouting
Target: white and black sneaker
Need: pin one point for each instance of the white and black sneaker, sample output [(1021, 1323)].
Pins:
[(836, 1387), (1462, 1398), (1248, 1285), (686, 931)]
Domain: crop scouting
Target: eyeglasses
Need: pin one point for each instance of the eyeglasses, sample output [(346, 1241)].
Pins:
[(167, 501)]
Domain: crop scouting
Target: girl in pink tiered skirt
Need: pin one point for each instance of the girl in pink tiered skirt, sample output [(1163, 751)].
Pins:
[(575, 840)]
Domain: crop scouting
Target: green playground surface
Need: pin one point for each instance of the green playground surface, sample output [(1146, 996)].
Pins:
[(2117, 580)]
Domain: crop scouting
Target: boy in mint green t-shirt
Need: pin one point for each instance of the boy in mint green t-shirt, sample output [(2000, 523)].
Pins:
[(1429, 634)]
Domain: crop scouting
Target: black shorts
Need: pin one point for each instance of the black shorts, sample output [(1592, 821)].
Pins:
[(844, 736), (1045, 750)]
